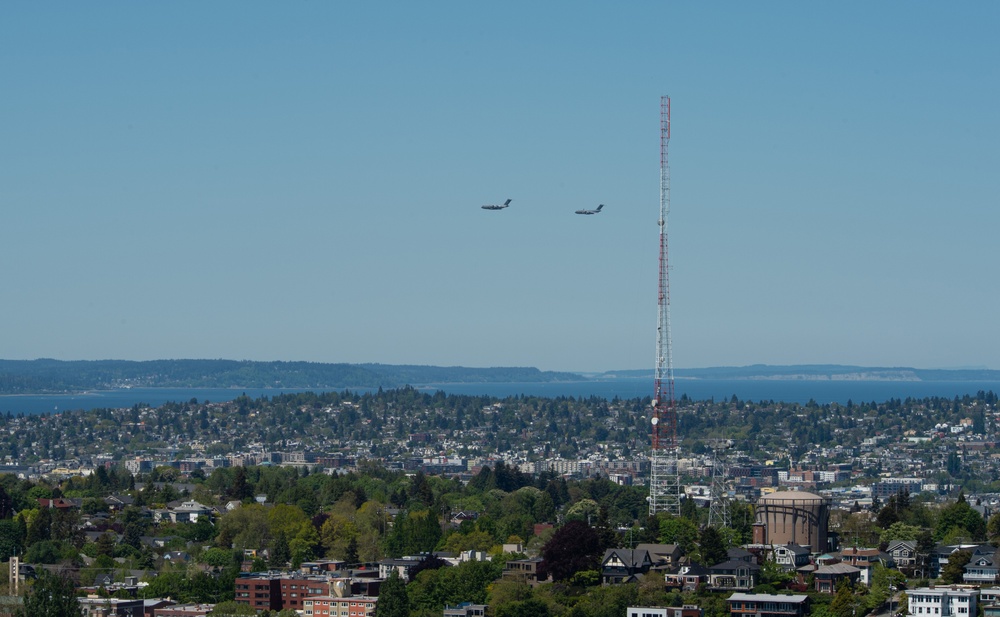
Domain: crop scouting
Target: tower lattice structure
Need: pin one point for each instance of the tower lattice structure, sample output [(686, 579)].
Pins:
[(664, 479), (718, 509)]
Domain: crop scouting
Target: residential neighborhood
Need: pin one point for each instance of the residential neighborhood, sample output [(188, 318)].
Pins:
[(306, 511)]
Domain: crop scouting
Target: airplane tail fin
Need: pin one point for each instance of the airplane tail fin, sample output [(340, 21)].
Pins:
[(599, 207), (507, 203)]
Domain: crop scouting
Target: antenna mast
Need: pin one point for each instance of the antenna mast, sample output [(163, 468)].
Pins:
[(664, 481)]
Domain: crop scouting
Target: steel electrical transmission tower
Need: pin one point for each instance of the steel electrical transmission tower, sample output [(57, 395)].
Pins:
[(664, 480)]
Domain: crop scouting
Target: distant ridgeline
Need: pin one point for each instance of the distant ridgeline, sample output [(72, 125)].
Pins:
[(821, 372), (46, 376)]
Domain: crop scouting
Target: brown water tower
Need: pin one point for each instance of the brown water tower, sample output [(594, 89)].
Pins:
[(795, 517)]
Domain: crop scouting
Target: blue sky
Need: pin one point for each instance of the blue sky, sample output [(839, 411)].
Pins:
[(302, 181)]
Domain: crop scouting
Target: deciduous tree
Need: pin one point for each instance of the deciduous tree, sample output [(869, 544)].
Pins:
[(51, 596), (573, 547)]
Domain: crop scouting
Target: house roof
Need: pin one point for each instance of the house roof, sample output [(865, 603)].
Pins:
[(910, 544), (734, 564), (795, 549), (837, 568), (659, 552), (767, 597), (631, 558)]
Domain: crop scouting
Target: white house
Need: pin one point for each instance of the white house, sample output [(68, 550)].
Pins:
[(953, 601)]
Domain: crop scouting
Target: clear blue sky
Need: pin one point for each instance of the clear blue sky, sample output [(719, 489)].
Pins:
[(302, 181)]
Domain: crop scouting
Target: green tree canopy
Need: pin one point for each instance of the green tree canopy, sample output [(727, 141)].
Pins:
[(51, 596), (393, 600)]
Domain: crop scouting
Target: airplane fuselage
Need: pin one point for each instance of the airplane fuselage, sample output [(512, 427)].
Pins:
[(496, 206), (591, 211)]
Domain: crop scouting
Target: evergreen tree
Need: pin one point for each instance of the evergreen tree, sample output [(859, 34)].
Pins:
[(240, 488), (351, 553), (40, 527), (712, 549), (689, 510), (393, 600), (281, 554), (843, 603), (6, 504)]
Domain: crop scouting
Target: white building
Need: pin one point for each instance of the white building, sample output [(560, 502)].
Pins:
[(951, 601)]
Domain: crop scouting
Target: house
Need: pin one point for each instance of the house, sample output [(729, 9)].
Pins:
[(465, 609), (939, 557), (767, 605), (983, 567), (185, 512), (735, 574), (904, 553), (739, 554), (989, 595), (665, 557), (949, 601), (464, 515), (60, 503), (790, 556), (622, 565), (687, 578), (864, 559), (688, 610), (827, 577), (118, 502), (523, 569)]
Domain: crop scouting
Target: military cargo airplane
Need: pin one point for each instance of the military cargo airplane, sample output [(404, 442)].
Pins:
[(590, 211), (497, 206)]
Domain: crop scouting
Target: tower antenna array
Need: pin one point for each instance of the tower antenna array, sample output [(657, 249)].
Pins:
[(664, 481)]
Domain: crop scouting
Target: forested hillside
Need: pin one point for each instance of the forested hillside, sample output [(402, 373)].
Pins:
[(36, 376)]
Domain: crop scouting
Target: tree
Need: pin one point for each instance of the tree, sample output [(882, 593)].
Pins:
[(993, 529), (466, 582), (393, 601), (689, 510), (232, 607), (712, 549), (244, 527), (843, 603), (6, 504), (240, 488), (898, 531), (954, 570), (678, 530), (962, 517), (280, 553), (51, 596), (11, 540), (525, 608), (573, 547)]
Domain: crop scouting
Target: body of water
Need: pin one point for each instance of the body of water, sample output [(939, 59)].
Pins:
[(697, 389)]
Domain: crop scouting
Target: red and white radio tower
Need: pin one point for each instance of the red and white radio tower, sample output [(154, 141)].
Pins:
[(664, 479)]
